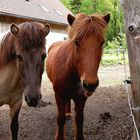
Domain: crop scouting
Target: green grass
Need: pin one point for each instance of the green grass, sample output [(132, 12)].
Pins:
[(112, 59)]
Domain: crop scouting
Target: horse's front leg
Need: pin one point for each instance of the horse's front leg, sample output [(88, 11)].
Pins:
[(79, 116), (14, 112), (61, 118)]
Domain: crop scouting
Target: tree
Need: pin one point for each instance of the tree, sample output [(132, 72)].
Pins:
[(94, 5), (132, 24), (75, 5), (103, 7)]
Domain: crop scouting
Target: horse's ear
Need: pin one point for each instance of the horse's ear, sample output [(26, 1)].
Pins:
[(14, 29), (46, 29), (107, 18), (70, 19)]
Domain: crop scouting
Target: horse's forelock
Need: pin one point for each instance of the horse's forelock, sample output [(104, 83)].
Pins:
[(31, 36), (85, 25)]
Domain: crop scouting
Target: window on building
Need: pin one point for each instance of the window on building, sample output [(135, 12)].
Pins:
[(44, 8), (58, 12)]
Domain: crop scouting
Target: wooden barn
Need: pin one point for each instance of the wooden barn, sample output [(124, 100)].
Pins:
[(45, 11)]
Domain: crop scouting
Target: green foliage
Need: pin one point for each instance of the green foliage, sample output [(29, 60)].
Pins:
[(115, 51), (118, 42), (114, 58), (100, 6), (75, 5)]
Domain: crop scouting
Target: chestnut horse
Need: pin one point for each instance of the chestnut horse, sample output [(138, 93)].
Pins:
[(22, 54), (72, 67)]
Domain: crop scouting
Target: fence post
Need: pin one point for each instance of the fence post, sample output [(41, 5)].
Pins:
[(131, 10)]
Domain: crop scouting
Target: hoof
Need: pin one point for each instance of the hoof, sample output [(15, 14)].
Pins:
[(69, 115)]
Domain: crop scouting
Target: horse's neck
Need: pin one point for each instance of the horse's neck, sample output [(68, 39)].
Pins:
[(11, 87), (70, 50), (9, 75)]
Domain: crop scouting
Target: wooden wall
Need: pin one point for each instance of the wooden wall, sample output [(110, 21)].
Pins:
[(6, 21)]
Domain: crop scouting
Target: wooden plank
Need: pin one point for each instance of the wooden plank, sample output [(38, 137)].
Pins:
[(7, 20), (131, 9)]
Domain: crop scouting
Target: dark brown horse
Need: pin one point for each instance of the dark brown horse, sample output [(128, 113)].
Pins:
[(22, 54), (72, 67)]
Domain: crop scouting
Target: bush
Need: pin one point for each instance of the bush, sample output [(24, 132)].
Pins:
[(115, 51), (118, 42)]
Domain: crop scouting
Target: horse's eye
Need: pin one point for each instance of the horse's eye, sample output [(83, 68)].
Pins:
[(19, 57), (43, 56)]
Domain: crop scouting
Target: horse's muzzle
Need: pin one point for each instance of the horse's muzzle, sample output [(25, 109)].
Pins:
[(32, 100), (90, 87)]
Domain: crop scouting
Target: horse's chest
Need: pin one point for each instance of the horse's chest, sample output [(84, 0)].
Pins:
[(10, 85), (68, 86)]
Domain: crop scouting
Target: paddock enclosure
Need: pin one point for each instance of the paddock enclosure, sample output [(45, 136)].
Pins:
[(107, 115)]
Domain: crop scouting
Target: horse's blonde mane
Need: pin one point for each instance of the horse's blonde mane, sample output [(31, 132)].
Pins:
[(85, 25)]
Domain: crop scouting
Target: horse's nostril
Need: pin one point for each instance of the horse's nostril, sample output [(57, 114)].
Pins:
[(32, 101), (90, 87), (26, 99), (85, 84)]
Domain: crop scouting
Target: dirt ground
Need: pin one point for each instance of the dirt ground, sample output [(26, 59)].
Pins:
[(107, 115)]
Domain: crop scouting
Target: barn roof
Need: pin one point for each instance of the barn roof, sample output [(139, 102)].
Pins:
[(52, 11)]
